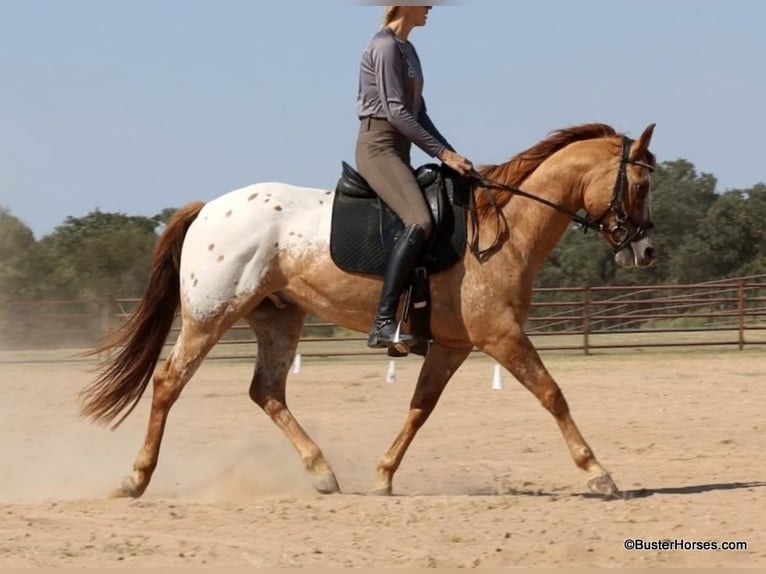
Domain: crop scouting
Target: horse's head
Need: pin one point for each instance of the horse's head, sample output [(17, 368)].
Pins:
[(622, 207)]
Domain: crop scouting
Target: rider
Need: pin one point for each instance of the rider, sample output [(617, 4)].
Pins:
[(393, 116)]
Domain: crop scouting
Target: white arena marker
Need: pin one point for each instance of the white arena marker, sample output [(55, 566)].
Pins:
[(297, 364), (391, 374), (497, 380)]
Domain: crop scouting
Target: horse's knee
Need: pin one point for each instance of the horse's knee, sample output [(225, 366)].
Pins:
[(553, 400)]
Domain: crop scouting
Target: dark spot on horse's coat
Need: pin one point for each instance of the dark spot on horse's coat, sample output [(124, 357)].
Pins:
[(195, 282), (252, 197), (266, 200), (236, 282), (292, 233), (276, 244), (220, 258), (300, 235), (328, 192), (192, 275), (228, 213), (211, 247), (321, 202), (278, 208)]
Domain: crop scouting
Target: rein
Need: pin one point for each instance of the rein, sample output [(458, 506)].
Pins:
[(619, 233)]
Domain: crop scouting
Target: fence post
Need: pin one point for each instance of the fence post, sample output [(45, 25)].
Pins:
[(106, 314), (586, 319), (741, 313)]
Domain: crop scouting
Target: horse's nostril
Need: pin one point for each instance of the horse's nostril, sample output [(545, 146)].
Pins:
[(650, 253)]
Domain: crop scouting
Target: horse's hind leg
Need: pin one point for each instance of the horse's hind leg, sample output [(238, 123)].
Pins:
[(517, 354), (439, 366), (194, 342), (278, 331)]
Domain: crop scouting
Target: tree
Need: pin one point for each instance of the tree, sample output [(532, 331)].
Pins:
[(95, 255), (681, 199), (16, 244), (735, 233)]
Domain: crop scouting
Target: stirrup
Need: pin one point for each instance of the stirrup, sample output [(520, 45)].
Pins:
[(418, 347), (378, 339)]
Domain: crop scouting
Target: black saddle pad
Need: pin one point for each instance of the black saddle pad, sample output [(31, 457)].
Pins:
[(363, 226)]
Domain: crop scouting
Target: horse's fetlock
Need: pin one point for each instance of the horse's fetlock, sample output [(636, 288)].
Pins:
[(313, 460)]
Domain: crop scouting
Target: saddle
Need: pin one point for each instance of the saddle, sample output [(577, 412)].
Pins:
[(364, 229)]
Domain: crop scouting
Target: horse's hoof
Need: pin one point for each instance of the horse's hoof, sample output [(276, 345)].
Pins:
[(384, 490), (604, 485), (327, 484), (127, 489)]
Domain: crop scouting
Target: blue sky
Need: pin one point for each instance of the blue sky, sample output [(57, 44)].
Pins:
[(138, 105)]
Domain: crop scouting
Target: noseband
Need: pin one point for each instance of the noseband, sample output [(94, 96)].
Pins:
[(621, 233), (625, 230)]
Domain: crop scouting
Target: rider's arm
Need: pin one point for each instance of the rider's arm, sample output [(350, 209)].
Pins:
[(389, 74)]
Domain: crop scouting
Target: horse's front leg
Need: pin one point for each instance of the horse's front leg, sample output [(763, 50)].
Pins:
[(517, 354), (439, 366)]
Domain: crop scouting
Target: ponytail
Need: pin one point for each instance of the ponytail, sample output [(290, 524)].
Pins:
[(390, 13)]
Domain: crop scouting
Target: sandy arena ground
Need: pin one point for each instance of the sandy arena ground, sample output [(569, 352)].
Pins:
[(487, 482)]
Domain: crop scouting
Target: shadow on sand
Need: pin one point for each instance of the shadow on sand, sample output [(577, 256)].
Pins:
[(623, 495)]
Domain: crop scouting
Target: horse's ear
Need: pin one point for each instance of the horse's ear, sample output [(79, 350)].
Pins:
[(641, 145)]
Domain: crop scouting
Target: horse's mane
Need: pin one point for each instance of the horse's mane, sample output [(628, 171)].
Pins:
[(514, 171)]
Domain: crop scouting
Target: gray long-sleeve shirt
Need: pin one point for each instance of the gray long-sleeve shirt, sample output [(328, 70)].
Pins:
[(391, 87)]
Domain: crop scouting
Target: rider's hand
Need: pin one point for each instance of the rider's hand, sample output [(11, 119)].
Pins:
[(457, 162)]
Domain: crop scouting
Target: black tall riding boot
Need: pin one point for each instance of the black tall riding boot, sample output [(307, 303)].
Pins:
[(400, 265)]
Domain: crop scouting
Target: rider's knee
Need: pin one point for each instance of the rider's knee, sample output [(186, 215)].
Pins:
[(426, 225)]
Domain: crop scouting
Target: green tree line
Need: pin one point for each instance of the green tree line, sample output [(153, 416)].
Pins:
[(700, 235)]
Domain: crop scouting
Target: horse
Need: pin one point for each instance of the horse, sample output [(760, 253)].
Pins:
[(260, 254)]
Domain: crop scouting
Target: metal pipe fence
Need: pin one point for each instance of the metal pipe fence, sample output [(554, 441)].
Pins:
[(729, 313)]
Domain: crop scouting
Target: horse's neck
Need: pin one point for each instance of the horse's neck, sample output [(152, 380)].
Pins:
[(535, 228)]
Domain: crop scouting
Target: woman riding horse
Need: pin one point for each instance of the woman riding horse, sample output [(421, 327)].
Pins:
[(393, 116)]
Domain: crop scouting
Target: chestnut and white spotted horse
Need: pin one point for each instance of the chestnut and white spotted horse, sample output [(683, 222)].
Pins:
[(260, 253)]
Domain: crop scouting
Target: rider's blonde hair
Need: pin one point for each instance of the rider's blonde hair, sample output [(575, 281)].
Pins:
[(390, 13)]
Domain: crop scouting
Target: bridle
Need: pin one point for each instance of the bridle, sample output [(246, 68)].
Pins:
[(623, 231)]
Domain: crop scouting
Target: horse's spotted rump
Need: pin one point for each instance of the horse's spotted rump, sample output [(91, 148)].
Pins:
[(252, 196)]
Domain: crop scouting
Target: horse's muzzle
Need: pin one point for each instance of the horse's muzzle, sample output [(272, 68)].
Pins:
[(639, 253)]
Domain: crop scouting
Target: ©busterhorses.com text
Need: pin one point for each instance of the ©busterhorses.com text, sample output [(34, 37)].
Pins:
[(681, 544)]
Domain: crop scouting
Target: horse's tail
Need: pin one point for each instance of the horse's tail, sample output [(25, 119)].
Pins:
[(125, 376)]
